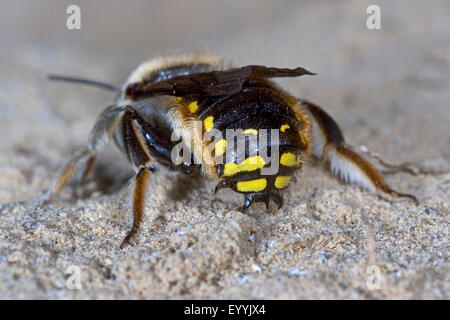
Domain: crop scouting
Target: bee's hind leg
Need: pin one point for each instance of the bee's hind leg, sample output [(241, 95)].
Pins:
[(85, 158), (329, 146), (408, 167)]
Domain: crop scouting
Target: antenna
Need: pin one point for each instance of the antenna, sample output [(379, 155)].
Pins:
[(88, 82)]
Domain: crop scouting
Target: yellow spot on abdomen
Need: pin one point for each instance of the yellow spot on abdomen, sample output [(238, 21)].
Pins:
[(284, 127), (282, 182), (193, 107), (252, 131), (289, 159), (220, 147), (252, 185), (249, 164), (208, 123)]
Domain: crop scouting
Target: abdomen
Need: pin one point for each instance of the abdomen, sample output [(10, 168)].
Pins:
[(273, 148)]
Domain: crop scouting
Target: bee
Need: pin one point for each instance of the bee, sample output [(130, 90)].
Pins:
[(191, 95)]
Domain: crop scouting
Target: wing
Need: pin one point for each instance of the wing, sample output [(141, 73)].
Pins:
[(208, 84)]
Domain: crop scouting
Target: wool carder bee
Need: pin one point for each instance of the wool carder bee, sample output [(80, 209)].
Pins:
[(192, 95)]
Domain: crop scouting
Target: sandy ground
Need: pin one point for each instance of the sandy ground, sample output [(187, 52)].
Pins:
[(389, 90)]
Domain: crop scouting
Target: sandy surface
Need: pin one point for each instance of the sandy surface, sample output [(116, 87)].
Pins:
[(389, 90)]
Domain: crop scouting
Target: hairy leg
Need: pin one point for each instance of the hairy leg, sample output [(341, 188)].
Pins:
[(85, 157), (329, 146), (409, 167), (139, 139), (139, 189)]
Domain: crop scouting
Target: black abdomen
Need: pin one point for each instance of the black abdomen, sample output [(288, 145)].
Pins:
[(264, 118)]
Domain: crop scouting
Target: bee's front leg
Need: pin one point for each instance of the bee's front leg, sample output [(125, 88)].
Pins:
[(85, 157)]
